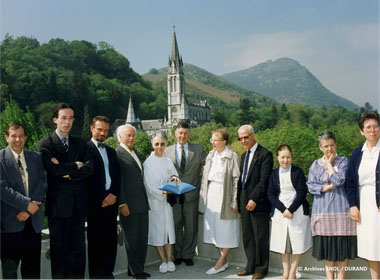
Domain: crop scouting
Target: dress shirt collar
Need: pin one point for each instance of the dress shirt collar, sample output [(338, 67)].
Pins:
[(16, 154), (61, 137), (96, 143), (125, 147), (253, 149), (186, 146), (365, 146), (285, 170)]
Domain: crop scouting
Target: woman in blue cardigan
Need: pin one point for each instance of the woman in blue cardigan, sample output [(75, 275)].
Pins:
[(291, 233), (363, 191)]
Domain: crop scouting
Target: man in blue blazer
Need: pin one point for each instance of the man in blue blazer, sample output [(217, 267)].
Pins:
[(67, 163), (103, 191), (253, 204), (23, 187)]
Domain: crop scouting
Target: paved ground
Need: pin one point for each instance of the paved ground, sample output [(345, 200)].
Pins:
[(195, 272)]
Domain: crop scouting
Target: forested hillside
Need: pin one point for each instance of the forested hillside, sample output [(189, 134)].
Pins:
[(94, 78)]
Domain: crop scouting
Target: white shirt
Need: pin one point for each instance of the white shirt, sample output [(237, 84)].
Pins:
[(178, 153), (103, 153), (133, 154), (253, 150), (367, 168)]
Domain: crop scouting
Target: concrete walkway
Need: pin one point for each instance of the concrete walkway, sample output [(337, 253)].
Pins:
[(195, 272)]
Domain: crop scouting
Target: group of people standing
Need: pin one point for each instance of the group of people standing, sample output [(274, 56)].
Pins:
[(91, 181)]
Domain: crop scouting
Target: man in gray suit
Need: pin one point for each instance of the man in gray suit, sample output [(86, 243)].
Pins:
[(188, 159), (133, 202), (23, 187)]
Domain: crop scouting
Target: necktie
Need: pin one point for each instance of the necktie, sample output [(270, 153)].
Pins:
[(65, 146), (245, 171), (101, 145), (22, 172), (183, 159)]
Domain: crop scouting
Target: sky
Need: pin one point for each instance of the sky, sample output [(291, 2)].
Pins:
[(337, 40)]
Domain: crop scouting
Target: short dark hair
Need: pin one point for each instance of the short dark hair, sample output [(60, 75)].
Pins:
[(59, 107), (14, 126), (283, 147), (183, 125), (222, 132), (373, 115), (325, 135), (101, 119)]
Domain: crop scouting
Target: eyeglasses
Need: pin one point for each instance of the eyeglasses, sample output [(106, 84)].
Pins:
[(370, 127), (244, 137), (159, 144), (215, 140), (326, 147)]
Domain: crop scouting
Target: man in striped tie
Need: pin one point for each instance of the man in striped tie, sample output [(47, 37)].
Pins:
[(254, 206), (67, 163)]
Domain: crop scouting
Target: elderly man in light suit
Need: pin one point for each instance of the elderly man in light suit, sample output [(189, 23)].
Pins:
[(23, 187), (133, 202), (188, 159)]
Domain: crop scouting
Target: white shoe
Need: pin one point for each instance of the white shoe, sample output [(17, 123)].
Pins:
[(171, 267), (212, 270), (225, 265), (163, 268)]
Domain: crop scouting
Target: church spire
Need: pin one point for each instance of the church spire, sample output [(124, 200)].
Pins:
[(131, 118), (175, 58)]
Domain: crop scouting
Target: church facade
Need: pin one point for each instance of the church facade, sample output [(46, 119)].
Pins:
[(180, 108)]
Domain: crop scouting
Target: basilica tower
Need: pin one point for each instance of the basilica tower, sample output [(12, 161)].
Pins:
[(177, 109)]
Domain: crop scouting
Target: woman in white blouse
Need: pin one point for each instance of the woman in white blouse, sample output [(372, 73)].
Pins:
[(218, 199), (159, 170), (363, 191)]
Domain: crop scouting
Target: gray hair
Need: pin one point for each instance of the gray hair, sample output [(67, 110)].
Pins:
[(246, 126), (121, 128), (325, 135), (160, 134)]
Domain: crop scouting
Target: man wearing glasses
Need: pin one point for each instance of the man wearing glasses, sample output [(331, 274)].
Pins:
[(254, 206)]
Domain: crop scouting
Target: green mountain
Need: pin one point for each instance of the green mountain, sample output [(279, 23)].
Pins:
[(286, 81), (203, 84)]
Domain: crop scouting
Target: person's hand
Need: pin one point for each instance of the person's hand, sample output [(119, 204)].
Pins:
[(79, 164), (355, 214), (175, 179), (54, 160), (331, 158), (234, 210), (22, 216), (33, 207), (327, 188), (287, 214), (109, 200), (124, 210), (251, 205)]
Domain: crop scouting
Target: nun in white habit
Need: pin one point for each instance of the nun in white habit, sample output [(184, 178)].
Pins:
[(159, 170)]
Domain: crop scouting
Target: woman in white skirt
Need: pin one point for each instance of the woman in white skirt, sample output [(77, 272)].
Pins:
[(291, 232), (159, 170), (218, 199), (363, 191)]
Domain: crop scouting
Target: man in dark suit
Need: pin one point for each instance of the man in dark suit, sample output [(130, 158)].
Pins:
[(103, 190), (188, 159), (254, 206), (133, 202), (67, 163), (23, 187)]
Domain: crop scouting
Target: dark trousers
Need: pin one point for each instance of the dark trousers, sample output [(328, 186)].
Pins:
[(67, 247), (135, 227), (186, 229), (24, 246), (102, 243), (255, 229)]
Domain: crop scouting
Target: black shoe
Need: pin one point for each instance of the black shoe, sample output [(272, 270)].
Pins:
[(188, 262), (178, 261), (142, 275), (130, 272)]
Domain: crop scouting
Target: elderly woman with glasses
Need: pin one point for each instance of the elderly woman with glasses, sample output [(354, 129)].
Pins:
[(363, 191), (159, 170), (218, 199), (334, 234)]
